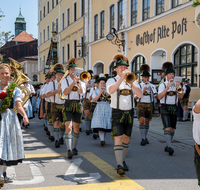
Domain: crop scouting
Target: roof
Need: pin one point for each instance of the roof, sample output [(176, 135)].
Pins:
[(20, 18), (35, 57), (23, 37)]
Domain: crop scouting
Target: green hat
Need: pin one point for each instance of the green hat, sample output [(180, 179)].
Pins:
[(48, 77), (60, 71), (169, 70), (72, 65), (145, 74), (12, 74), (121, 62), (185, 80)]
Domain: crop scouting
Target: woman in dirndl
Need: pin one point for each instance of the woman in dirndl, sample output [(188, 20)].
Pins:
[(101, 120), (11, 139)]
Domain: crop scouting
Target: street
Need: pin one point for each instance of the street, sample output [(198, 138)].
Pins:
[(47, 167)]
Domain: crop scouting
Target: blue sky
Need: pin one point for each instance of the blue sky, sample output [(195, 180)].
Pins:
[(11, 11)]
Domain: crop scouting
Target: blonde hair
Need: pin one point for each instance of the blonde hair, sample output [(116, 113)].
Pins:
[(5, 66)]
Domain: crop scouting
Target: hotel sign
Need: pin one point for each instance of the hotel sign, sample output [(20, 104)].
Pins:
[(162, 32)]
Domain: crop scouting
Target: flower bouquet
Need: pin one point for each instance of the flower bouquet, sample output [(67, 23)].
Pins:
[(195, 3)]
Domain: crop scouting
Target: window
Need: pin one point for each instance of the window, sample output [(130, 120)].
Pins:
[(95, 27), (175, 3), (74, 12), (63, 21), (68, 51), (112, 16), (57, 25), (43, 61), (160, 6), (120, 15), (75, 49), (40, 38), (102, 22), (68, 17), (136, 63), (111, 67), (47, 32), (185, 63), (63, 55), (134, 4), (83, 7), (47, 7), (56, 2), (43, 11), (43, 35), (53, 28), (52, 4), (146, 9), (40, 15)]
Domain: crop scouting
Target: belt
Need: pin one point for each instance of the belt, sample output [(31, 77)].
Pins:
[(125, 92), (75, 88), (171, 93)]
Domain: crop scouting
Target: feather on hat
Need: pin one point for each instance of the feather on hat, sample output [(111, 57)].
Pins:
[(58, 66), (120, 59), (167, 65), (144, 67)]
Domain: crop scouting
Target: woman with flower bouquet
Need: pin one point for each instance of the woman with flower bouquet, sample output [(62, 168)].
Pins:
[(11, 139)]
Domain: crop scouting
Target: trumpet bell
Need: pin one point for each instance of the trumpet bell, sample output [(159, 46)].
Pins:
[(85, 76), (15, 64), (180, 90), (130, 78)]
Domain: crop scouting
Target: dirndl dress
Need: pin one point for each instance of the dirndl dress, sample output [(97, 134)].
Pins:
[(11, 138)]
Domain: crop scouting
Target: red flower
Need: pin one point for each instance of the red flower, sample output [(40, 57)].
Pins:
[(10, 90), (3, 95)]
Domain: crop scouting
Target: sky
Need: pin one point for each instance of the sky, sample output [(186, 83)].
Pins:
[(11, 9)]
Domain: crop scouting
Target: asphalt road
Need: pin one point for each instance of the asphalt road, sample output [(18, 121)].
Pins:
[(47, 167)]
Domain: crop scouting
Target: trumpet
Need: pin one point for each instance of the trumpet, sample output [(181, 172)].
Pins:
[(130, 78), (150, 88), (176, 86), (105, 94)]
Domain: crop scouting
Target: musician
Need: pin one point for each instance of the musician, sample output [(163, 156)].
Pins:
[(101, 122), (184, 98), (11, 138), (168, 98), (122, 110), (144, 104), (72, 88), (57, 105)]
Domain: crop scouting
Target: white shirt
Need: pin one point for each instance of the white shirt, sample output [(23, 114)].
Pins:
[(72, 95), (44, 91), (50, 88), (124, 101), (146, 99), (185, 88), (170, 99), (91, 92), (196, 127), (30, 87), (95, 93)]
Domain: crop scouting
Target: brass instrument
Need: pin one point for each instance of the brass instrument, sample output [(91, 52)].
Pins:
[(105, 94), (176, 86), (85, 76), (130, 78), (150, 88)]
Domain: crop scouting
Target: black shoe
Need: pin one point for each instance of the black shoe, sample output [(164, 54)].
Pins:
[(120, 170), (95, 136), (51, 138), (80, 129), (61, 141), (171, 151), (91, 131), (48, 133), (125, 166), (57, 144), (75, 151), (43, 124), (4, 175), (102, 143), (166, 149), (147, 142), (87, 132), (70, 154), (26, 126), (143, 142), (45, 128)]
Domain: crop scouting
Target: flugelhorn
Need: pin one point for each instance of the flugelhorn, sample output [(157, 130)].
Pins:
[(130, 78), (176, 86), (105, 94)]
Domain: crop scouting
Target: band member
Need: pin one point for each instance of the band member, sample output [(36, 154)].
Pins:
[(101, 122), (168, 98), (72, 88), (184, 99), (122, 109), (144, 104), (57, 105), (11, 138)]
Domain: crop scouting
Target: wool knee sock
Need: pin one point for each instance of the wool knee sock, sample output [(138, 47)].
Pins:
[(62, 131), (119, 154), (184, 115), (45, 121), (168, 138), (146, 130), (88, 124), (51, 128), (125, 150), (142, 131), (101, 135), (56, 133), (172, 135), (68, 140), (75, 139), (4, 168)]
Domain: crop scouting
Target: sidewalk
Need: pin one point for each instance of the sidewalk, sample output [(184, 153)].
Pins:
[(183, 133)]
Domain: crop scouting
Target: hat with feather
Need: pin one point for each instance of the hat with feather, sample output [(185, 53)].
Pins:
[(96, 77), (145, 69), (72, 63), (59, 68), (168, 67), (101, 77), (47, 76), (90, 71), (52, 72), (185, 80), (120, 59), (113, 73)]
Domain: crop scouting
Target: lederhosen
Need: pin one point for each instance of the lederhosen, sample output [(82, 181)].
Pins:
[(86, 101), (72, 108), (169, 111), (197, 161), (184, 101), (122, 120), (144, 109), (56, 109)]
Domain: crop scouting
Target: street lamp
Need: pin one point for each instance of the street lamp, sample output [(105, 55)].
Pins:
[(114, 38)]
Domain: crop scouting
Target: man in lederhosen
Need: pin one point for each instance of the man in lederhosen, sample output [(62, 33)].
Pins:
[(122, 110), (57, 105), (184, 99), (168, 98), (144, 104), (72, 88)]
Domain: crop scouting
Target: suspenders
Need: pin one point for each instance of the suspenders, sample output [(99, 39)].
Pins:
[(166, 95), (149, 94), (54, 90), (118, 95), (68, 86)]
